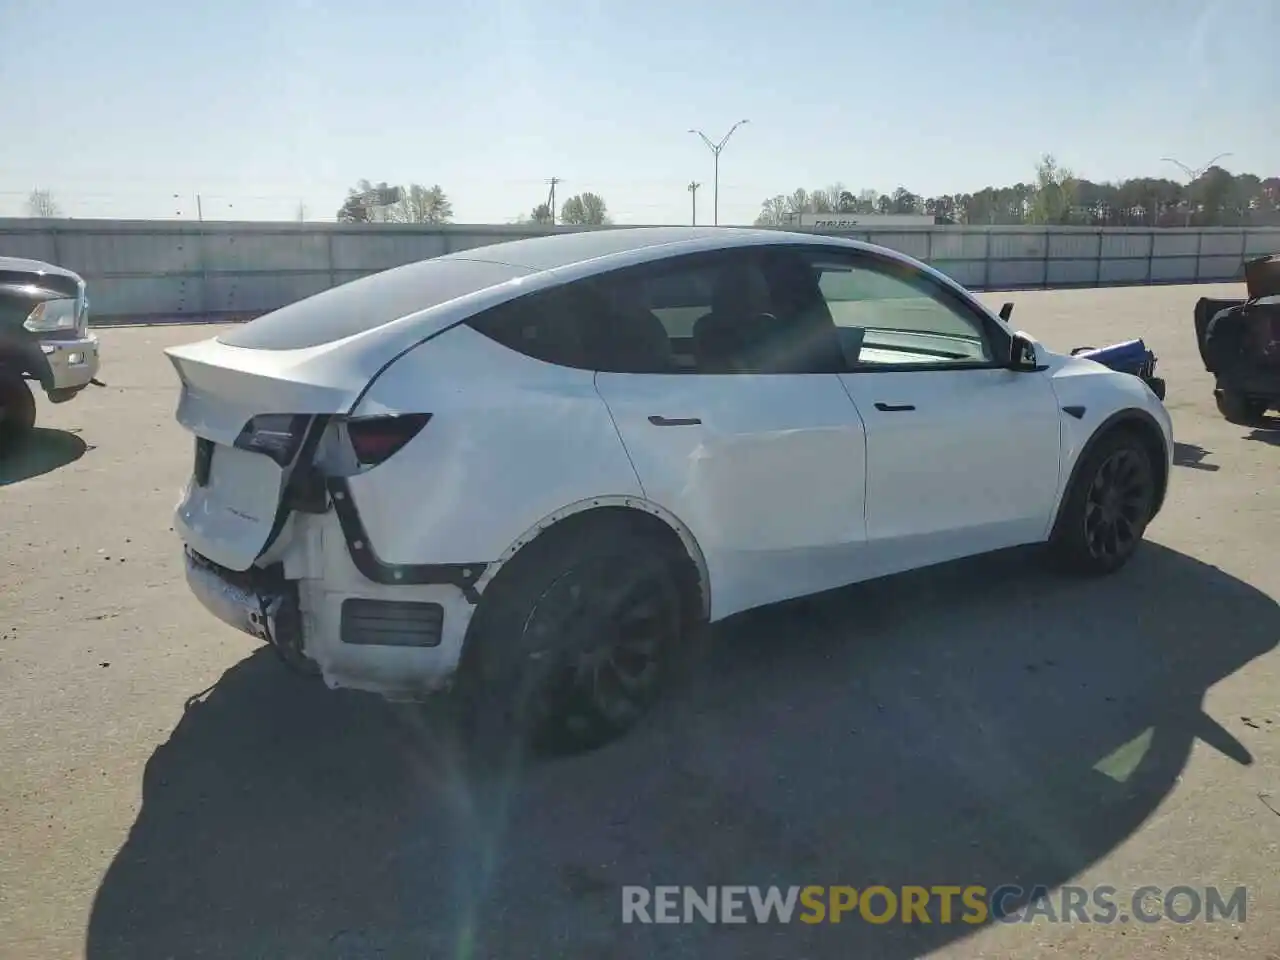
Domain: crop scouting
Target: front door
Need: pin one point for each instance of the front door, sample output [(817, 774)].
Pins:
[(962, 453)]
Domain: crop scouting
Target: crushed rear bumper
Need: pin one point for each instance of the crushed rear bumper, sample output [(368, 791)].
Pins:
[(253, 602)]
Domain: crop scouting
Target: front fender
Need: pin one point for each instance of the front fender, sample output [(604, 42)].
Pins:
[(1094, 400)]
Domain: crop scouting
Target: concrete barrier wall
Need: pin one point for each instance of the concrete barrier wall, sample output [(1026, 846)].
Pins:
[(155, 271)]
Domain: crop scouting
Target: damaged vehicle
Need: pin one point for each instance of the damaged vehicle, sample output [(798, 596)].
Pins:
[(1132, 357), (529, 472), (44, 338), (1239, 342)]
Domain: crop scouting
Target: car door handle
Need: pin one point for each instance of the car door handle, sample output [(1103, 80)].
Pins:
[(894, 407), (658, 421)]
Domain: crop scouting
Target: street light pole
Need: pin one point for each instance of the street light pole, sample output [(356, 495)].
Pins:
[(693, 194), (1193, 176), (715, 149)]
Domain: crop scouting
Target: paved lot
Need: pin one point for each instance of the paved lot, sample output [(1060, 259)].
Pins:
[(167, 791)]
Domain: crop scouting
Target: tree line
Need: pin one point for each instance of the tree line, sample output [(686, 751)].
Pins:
[(1216, 198), (418, 204), (582, 209), (1055, 195), (412, 204)]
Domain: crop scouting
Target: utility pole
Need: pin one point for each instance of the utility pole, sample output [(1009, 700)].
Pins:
[(1193, 176), (199, 209), (715, 149), (693, 195), (551, 199)]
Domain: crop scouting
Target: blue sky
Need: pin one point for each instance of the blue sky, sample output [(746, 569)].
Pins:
[(260, 105)]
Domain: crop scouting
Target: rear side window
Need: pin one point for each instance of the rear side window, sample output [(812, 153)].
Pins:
[(369, 302), (582, 325), (546, 326)]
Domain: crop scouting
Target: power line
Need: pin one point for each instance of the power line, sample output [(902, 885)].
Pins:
[(551, 198)]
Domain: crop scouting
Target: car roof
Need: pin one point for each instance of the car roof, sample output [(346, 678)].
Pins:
[(558, 250), (23, 265), (429, 295)]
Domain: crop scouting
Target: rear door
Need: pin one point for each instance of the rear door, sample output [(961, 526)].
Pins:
[(765, 467), (962, 453)]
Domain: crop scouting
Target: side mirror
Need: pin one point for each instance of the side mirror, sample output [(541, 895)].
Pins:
[(1022, 353), (1006, 311)]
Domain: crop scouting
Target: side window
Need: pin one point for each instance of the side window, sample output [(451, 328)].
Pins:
[(734, 311), (652, 309), (889, 314), (546, 326), (582, 325)]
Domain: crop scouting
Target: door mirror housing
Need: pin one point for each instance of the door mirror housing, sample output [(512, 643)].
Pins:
[(1022, 354)]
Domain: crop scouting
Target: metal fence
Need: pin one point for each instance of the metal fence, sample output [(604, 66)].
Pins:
[(158, 271)]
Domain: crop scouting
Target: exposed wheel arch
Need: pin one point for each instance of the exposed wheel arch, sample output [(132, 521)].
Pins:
[(634, 513), (1142, 425)]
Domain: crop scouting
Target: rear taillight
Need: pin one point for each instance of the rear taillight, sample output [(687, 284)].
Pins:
[(278, 435), (374, 439)]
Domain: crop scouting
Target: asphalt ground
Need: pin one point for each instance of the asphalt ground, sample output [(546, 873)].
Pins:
[(167, 790)]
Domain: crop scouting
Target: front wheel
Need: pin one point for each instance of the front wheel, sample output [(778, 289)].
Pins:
[(17, 411), (1238, 409), (1107, 508), (570, 644)]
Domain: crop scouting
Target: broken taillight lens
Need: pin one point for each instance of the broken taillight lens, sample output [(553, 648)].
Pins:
[(278, 435), (375, 439)]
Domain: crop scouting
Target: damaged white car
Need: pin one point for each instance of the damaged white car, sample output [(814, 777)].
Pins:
[(533, 468)]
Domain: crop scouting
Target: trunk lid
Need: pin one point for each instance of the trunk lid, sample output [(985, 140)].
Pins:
[(229, 506)]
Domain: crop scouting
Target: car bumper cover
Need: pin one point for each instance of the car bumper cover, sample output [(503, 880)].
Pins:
[(72, 364)]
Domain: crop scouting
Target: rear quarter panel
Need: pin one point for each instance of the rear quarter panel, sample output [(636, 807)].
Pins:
[(511, 441)]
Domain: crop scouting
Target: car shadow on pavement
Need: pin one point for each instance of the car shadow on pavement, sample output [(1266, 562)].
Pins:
[(1269, 434), (1193, 456), (42, 451), (979, 723)]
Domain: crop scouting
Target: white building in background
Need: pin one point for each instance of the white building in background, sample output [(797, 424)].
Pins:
[(838, 222)]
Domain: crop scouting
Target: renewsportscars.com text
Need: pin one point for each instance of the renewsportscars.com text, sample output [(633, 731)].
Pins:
[(973, 904)]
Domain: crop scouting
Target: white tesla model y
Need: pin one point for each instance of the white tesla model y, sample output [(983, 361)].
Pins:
[(525, 472)]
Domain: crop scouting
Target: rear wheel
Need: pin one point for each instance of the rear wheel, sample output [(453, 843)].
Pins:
[(17, 411), (1239, 409), (571, 645), (1107, 508)]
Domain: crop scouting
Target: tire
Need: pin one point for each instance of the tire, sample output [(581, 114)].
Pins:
[(17, 411), (1107, 508), (1238, 409), (547, 668)]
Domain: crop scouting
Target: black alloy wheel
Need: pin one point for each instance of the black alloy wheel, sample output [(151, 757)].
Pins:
[(598, 637), (1105, 511), (1118, 505), (571, 644)]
